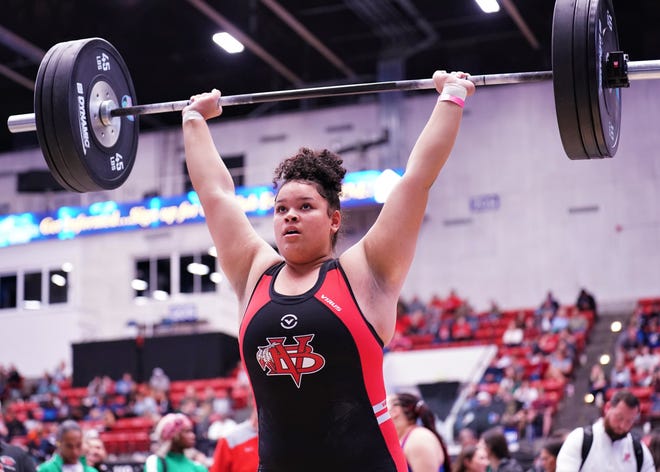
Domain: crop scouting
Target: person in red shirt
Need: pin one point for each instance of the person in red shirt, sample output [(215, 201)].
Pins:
[(238, 450)]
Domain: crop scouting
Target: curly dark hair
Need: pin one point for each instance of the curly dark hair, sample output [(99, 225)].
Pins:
[(321, 168)]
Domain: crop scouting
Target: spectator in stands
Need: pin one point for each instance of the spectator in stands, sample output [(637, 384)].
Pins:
[(60, 373), (645, 363), (423, 446), (560, 321), (45, 385), (15, 459), (13, 425), (125, 385), (467, 437), (69, 453), (653, 443), (497, 450), (578, 323), (598, 384), (494, 313), (471, 459), (14, 383), (586, 302), (94, 451), (514, 334), (485, 414), (560, 364), (612, 445), (461, 329), (159, 381), (174, 435), (549, 305), (629, 341), (620, 376), (651, 333), (547, 459), (238, 450), (526, 393), (144, 405), (39, 445)]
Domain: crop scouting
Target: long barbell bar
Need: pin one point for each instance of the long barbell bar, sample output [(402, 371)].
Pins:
[(637, 70)]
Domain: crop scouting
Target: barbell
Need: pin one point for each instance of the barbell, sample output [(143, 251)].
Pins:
[(85, 107)]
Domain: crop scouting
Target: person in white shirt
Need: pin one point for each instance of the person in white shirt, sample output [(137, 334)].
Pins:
[(612, 447)]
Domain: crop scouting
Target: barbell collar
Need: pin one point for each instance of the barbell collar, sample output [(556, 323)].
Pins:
[(637, 70)]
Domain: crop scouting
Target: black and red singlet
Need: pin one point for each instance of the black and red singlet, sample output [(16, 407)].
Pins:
[(316, 369)]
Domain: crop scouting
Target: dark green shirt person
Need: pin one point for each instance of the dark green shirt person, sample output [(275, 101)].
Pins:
[(68, 455)]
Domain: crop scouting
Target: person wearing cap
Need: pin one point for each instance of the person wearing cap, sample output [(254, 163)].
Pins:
[(68, 456), (174, 434), (423, 447)]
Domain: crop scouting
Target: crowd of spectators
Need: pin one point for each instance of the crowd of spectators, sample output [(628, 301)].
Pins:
[(32, 410), (538, 350)]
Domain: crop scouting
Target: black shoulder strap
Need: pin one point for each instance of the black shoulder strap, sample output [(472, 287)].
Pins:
[(163, 463), (639, 453), (587, 440)]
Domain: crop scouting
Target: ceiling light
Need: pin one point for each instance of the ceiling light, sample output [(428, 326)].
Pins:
[(213, 252), (616, 326), (604, 359), (160, 295), (216, 277), (198, 269), (67, 267), (31, 304), (139, 285), (58, 280), (227, 42), (489, 6)]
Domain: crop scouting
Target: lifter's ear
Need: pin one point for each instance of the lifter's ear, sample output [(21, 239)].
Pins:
[(335, 220)]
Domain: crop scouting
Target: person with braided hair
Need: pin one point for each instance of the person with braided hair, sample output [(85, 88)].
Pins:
[(423, 446), (313, 323)]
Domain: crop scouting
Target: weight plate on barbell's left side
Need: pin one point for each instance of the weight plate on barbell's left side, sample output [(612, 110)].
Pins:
[(96, 162), (605, 101), (45, 121)]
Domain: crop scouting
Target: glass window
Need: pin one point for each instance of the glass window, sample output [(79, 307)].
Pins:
[(207, 284), (32, 287), (58, 283), (142, 281), (186, 278), (8, 291), (163, 276)]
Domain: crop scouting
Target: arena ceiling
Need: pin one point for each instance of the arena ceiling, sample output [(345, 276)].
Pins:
[(294, 43)]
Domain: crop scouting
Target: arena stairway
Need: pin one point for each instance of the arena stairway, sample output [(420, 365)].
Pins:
[(575, 411)]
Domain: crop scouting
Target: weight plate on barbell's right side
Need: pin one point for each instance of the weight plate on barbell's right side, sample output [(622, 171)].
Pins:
[(99, 163), (605, 102), (563, 78)]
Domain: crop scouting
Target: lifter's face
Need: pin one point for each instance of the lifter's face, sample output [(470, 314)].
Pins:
[(303, 228)]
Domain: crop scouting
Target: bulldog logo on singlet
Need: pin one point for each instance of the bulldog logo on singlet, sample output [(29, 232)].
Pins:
[(290, 359)]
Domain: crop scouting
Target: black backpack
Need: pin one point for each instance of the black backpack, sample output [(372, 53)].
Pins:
[(589, 439)]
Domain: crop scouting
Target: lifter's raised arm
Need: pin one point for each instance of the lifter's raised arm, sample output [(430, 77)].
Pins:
[(389, 253), (237, 244)]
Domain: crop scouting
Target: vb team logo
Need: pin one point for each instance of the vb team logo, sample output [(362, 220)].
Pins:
[(290, 359)]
